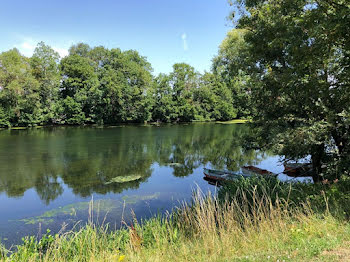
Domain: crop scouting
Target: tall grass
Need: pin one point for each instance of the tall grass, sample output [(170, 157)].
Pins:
[(249, 226)]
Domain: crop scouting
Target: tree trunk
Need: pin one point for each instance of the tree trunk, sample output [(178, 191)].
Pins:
[(340, 141), (316, 157)]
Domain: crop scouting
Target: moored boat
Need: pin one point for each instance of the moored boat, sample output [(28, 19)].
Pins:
[(297, 169), (253, 170), (221, 175)]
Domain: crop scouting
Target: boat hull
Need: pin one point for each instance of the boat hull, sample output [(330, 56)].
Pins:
[(297, 169), (221, 175), (252, 170)]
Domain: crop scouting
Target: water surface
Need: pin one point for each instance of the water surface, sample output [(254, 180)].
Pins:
[(49, 176)]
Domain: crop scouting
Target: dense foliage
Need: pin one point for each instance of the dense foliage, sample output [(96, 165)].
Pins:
[(296, 54), (102, 86)]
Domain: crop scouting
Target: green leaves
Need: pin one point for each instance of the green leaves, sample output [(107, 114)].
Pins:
[(19, 97), (185, 95), (295, 58), (230, 66), (107, 86)]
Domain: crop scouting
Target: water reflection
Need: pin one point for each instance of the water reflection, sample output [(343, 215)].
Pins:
[(86, 159)]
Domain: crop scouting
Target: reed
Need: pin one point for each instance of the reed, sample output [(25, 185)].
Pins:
[(252, 226)]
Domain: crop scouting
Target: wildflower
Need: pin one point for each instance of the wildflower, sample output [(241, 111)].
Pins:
[(121, 258)]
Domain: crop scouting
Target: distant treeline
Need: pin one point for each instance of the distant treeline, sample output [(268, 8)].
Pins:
[(106, 86)]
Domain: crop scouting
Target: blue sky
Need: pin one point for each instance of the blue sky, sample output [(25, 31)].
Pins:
[(165, 31)]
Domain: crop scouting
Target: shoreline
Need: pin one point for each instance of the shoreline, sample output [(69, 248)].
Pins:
[(234, 121)]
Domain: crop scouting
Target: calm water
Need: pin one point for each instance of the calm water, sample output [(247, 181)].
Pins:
[(49, 176)]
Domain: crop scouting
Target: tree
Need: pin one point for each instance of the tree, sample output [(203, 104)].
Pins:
[(231, 67), (183, 80), (4, 118), (214, 99), (186, 95), (128, 87), (80, 49), (19, 96), (299, 60), (80, 83), (164, 108), (45, 68)]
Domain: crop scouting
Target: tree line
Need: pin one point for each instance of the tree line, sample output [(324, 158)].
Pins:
[(106, 86)]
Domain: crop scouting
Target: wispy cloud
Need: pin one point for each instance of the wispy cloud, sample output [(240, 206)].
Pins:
[(61, 51), (184, 41), (28, 45)]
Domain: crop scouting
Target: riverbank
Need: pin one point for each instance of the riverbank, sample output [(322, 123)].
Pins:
[(254, 225), (234, 121)]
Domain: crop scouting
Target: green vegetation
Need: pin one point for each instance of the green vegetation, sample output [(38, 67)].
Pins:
[(326, 197), (123, 179), (250, 223), (102, 86), (236, 121), (295, 58)]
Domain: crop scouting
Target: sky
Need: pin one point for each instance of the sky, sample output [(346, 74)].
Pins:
[(164, 31)]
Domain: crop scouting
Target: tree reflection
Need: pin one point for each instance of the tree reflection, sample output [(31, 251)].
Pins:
[(48, 188), (85, 159)]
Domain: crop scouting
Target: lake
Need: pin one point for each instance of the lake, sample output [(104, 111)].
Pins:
[(55, 177)]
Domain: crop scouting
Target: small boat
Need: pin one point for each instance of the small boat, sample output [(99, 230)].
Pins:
[(222, 175), (256, 171), (212, 181), (297, 169)]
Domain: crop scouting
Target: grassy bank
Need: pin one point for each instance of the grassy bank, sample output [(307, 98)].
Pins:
[(248, 222)]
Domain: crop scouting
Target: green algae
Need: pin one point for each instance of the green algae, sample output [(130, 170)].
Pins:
[(70, 211), (124, 179), (136, 198)]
